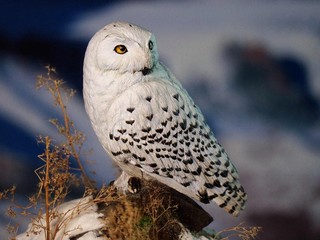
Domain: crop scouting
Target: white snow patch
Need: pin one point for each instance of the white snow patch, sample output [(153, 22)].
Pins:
[(71, 218), (187, 235)]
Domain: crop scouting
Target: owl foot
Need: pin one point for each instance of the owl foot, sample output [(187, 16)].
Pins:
[(127, 184), (134, 185)]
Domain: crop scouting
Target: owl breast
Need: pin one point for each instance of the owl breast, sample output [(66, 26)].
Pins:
[(146, 118)]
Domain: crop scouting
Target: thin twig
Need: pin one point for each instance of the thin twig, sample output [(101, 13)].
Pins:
[(46, 187), (66, 120)]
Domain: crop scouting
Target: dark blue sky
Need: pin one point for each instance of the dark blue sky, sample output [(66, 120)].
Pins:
[(47, 18)]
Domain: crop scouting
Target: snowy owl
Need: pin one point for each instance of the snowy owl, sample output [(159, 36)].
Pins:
[(148, 123)]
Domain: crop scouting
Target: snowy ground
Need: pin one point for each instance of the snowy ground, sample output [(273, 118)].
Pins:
[(278, 167)]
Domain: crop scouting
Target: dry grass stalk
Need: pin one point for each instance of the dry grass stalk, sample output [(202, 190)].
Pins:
[(145, 216), (74, 138), (239, 231), (8, 193), (55, 176)]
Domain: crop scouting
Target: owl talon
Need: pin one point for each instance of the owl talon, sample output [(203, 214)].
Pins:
[(134, 185), (127, 184)]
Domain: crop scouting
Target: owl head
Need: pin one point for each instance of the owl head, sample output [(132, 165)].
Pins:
[(123, 47)]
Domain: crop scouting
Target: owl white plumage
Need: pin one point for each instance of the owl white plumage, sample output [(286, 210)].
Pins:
[(148, 123)]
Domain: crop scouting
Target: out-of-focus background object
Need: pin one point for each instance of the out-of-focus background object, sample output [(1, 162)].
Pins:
[(252, 67)]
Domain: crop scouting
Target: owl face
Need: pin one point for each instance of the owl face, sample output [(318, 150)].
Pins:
[(125, 48)]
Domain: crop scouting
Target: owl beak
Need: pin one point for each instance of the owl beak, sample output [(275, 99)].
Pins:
[(146, 71)]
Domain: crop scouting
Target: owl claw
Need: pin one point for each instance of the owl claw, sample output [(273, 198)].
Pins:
[(127, 184), (134, 185)]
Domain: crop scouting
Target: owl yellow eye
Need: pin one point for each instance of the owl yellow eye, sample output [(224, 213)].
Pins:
[(120, 49), (150, 45)]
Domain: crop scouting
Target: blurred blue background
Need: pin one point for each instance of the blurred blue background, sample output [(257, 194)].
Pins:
[(253, 67)]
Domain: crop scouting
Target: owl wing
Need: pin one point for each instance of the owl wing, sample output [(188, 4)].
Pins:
[(155, 127)]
